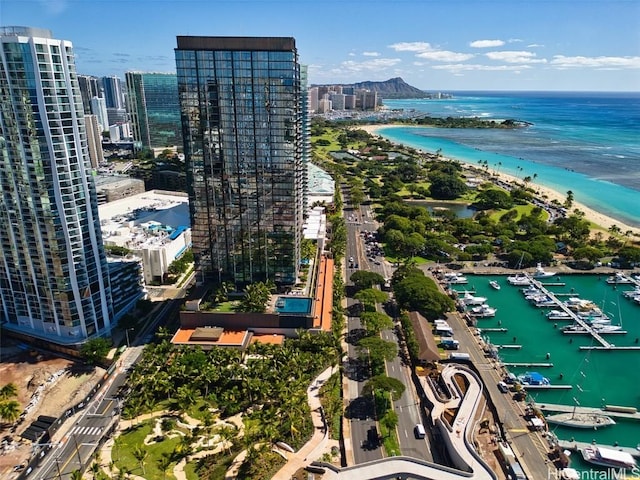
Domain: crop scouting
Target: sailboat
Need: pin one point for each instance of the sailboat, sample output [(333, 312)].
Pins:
[(589, 418)]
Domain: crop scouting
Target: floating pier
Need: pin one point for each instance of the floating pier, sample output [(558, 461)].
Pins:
[(576, 446), (547, 387), (509, 347), (576, 318), (493, 330), (556, 284), (610, 347), (584, 332), (554, 407), (527, 365)]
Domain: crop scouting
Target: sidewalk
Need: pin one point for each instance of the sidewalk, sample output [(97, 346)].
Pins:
[(314, 448)]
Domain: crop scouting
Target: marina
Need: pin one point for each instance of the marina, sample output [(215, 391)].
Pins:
[(560, 355), (554, 407)]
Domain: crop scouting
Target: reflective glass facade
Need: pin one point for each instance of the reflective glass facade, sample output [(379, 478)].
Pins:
[(152, 102), (54, 280), (241, 110)]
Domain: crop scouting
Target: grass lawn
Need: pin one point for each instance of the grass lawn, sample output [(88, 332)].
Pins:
[(521, 209), (134, 437), (226, 307)]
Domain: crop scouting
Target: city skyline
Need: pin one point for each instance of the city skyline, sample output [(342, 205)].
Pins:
[(578, 45)]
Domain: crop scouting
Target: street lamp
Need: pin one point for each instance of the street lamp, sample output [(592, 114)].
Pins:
[(126, 332)]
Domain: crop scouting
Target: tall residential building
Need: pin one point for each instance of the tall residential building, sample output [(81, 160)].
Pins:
[(242, 112), (94, 140), (89, 88), (54, 280), (112, 92), (152, 102), (99, 109)]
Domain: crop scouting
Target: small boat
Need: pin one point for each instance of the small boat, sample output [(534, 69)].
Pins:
[(542, 273), (598, 328), (519, 279), (580, 420), (469, 299), (458, 280), (483, 311), (607, 457), (619, 278), (559, 315), (533, 378), (494, 284)]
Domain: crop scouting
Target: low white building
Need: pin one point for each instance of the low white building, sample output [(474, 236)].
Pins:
[(154, 225)]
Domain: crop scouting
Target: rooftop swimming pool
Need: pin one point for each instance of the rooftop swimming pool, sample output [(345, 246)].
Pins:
[(293, 305)]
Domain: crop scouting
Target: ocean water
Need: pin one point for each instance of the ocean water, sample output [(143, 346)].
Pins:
[(598, 377), (588, 143)]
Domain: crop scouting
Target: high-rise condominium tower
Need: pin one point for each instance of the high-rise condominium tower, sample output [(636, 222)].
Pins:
[(241, 107), (54, 283), (152, 102)]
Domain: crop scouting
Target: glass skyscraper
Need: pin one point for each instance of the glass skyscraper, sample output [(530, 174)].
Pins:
[(54, 283), (241, 106), (152, 102)]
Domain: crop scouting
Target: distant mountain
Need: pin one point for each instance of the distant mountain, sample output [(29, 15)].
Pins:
[(392, 88)]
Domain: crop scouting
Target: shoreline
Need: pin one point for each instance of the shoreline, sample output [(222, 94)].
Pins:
[(598, 218)]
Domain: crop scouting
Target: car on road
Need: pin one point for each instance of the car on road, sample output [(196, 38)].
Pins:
[(419, 431), (503, 387)]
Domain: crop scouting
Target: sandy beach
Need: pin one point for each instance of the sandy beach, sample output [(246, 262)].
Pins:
[(590, 214)]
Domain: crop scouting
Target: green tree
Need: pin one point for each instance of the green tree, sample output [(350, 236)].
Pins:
[(369, 297), (446, 187), (375, 322), (140, 454), (256, 297), (391, 385), (366, 279), (376, 350), (95, 350)]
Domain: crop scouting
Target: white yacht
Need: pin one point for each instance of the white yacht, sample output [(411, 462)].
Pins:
[(607, 457), (542, 273), (619, 278), (483, 311), (559, 315), (469, 299), (519, 279), (494, 284)]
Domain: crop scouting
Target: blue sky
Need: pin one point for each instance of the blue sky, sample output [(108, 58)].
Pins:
[(436, 45)]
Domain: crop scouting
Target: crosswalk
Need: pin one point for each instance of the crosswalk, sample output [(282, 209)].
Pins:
[(87, 430)]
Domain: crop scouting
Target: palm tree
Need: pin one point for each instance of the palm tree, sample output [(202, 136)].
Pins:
[(76, 475), (7, 391), (10, 410), (140, 454), (163, 464)]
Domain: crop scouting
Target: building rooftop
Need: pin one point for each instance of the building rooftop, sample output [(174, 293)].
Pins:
[(147, 220)]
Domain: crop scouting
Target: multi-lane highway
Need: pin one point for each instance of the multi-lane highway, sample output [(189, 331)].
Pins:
[(361, 411)]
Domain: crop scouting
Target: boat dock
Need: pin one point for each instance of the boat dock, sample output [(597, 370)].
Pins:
[(510, 347), (553, 407), (527, 365), (610, 347), (492, 330), (596, 336), (547, 387), (556, 284), (581, 332), (576, 446)]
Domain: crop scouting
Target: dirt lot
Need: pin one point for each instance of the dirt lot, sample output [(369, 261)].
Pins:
[(34, 374)]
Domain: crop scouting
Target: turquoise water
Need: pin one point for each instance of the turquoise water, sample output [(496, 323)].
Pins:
[(293, 305), (584, 142), (598, 377)]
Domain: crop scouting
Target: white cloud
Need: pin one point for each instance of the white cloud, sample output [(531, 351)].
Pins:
[(486, 43), (445, 56), (458, 67), (54, 6), (369, 65), (371, 54), (511, 56), (535, 45), (411, 46), (610, 63)]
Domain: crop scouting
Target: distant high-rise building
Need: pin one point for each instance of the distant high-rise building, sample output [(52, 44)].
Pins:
[(152, 102), (54, 280), (112, 92), (89, 88), (94, 140), (99, 109), (241, 105)]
